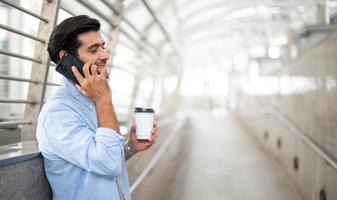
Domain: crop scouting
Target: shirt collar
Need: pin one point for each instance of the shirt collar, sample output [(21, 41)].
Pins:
[(71, 89)]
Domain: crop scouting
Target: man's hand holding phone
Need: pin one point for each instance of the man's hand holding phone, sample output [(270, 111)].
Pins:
[(96, 87), (93, 85)]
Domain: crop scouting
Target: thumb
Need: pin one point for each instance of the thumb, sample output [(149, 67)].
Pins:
[(133, 127)]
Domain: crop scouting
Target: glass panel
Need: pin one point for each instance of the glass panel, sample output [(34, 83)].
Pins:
[(155, 36), (121, 82), (139, 17)]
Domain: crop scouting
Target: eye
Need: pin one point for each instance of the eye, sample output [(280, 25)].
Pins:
[(93, 50)]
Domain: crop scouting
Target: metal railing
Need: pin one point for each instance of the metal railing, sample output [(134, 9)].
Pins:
[(38, 80), (13, 123), (20, 101), (13, 30), (286, 122), (11, 4), (11, 78), (16, 55), (303, 137)]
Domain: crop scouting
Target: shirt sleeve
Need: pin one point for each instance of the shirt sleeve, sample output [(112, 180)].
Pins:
[(100, 151)]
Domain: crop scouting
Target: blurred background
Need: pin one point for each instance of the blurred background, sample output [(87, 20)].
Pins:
[(244, 92)]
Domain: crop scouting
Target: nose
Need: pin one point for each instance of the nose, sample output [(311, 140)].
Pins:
[(104, 55)]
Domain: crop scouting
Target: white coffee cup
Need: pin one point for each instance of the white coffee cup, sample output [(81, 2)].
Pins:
[(144, 118)]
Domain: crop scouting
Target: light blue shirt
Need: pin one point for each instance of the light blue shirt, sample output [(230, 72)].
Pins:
[(82, 161)]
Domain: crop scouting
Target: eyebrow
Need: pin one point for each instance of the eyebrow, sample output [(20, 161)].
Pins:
[(95, 46)]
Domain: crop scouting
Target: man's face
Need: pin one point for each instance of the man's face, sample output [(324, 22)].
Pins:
[(92, 49)]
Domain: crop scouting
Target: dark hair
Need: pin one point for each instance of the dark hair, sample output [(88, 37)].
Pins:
[(65, 35)]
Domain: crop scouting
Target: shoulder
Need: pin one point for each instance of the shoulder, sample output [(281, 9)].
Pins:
[(60, 106)]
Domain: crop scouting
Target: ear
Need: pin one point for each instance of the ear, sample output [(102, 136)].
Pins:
[(61, 53)]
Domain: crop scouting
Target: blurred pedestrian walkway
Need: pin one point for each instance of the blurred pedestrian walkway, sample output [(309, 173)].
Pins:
[(221, 160)]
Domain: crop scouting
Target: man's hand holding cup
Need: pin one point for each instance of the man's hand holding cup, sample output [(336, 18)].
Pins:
[(143, 130)]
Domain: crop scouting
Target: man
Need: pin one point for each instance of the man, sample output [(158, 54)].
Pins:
[(78, 132)]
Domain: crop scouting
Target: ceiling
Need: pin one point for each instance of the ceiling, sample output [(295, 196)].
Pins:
[(213, 33)]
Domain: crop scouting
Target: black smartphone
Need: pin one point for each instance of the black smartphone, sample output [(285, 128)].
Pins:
[(65, 64)]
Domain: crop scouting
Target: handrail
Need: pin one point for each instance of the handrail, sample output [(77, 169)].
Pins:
[(13, 30), (25, 10), (304, 138), (53, 84), (6, 124), (163, 148), (7, 53), (16, 101), (297, 132), (11, 78), (18, 152)]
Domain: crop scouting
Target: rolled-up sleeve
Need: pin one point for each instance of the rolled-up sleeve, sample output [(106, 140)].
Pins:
[(103, 135), (98, 151)]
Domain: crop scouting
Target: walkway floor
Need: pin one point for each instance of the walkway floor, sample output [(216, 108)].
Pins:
[(223, 161)]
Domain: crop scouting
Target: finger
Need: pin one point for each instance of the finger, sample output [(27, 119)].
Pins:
[(155, 124), (152, 137), (148, 144), (107, 74), (81, 90), (77, 74), (153, 133), (93, 69), (133, 126), (154, 130), (86, 69), (103, 73)]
